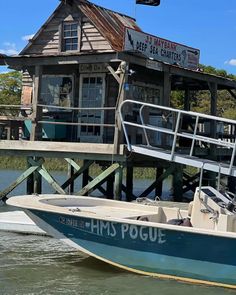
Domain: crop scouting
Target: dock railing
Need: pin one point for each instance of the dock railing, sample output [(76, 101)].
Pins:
[(183, 130), (15, 118)]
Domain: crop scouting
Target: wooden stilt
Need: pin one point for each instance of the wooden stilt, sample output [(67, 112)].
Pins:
[(85, 178), (157, 181), (29, 181), (44, 173), (178, 183), (98, 180), (37, 179), (110, 186), (20, 179), (159, 184), (118, 183), (86, 165), (129, 182), (72, 167)]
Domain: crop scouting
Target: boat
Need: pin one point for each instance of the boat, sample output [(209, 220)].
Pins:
[(195, 245)]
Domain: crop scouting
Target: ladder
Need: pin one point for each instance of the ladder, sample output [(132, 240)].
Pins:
[(135, 118)]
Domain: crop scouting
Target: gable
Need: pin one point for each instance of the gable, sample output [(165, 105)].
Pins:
[(100, 30)]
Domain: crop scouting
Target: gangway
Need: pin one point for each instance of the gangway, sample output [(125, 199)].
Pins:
[(178, 126)]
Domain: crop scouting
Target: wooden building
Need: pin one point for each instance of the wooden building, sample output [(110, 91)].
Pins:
[(77, 70)]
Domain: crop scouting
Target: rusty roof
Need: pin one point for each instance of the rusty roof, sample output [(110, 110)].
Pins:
[(111, 24)]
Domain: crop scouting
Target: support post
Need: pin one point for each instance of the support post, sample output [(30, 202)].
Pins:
[(110, 186), (129, 182), (178, 183), (213, 90), (98, 180), (118, 138), (187, 100), (159, 186), (118, 183), (29, 181), (37, 179), (85, 178), (70, 174), (167, 87), (36, 129)]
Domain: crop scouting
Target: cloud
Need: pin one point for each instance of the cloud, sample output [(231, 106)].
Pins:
[(231, 62), (9, 49), (27, 37)]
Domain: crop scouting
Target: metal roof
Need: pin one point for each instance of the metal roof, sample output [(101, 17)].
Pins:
[(111, 24)]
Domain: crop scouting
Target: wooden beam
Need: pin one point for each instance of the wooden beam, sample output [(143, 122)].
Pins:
[(118, 183), (90, 187), (187, 100), (163, 176), (86, 165), (166, 87), (111, 70), (118, 134), (36, 129), (26, 61), (129, 182), (178, 71), (21, 178), (49, 178)]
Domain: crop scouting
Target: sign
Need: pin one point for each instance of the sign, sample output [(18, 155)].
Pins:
[(92, 68), (154, 65), (149, 2), (161, 49)]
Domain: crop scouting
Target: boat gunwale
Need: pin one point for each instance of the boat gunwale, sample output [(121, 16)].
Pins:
[(35, 203)]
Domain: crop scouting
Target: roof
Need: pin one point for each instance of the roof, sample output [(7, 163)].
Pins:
[(111, 24)]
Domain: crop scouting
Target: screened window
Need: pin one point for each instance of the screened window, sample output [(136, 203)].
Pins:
[(57, 90), (70, 36)]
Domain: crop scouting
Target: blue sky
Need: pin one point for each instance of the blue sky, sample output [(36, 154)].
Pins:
[(209, 25)]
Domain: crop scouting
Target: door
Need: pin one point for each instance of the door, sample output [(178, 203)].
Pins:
[(92, 94)]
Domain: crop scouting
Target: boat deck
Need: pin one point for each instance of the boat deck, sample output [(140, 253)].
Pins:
[(115, 212)]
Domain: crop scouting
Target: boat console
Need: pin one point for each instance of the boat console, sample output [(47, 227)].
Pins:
[(213, 210)]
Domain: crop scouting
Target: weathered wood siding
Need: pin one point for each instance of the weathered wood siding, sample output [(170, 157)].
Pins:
[(48, 42), (27, 89), (91, 39)]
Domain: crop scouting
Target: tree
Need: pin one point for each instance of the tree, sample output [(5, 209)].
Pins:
[(10, 88)]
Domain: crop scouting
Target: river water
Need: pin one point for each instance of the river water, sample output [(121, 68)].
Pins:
[(40, 265)]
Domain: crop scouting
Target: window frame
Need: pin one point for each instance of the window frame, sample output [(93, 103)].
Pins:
[(72, 90), (63, 38)]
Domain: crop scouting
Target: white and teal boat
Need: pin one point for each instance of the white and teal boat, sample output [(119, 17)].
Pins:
[(195, 245)]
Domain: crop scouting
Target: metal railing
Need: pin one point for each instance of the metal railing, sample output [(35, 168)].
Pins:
[(176, 129)]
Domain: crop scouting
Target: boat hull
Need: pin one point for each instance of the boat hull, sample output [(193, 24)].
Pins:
[(152, 250)]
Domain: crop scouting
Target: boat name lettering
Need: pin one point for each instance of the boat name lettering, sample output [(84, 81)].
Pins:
[(101, 228), (72, 222), (144, 233), (132, 231)]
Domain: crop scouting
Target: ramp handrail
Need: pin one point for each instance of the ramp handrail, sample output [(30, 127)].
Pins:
[(128, 106)]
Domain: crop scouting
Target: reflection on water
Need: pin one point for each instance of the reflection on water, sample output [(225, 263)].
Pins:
[(40, 265)]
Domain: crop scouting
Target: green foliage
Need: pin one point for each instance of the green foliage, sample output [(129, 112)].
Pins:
[(217, 72), (200, 100), (10, 88)]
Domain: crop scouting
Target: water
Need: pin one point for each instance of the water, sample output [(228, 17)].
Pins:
[(40, 265)]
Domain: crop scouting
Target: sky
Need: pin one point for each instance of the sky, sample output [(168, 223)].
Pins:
[(209, 25)]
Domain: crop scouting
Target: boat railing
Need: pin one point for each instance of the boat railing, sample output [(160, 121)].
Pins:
[(178, 128)]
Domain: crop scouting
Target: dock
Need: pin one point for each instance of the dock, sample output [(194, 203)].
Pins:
[(18, 222)]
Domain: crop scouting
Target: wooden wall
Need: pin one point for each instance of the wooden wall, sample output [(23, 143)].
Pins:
[(48, 42)]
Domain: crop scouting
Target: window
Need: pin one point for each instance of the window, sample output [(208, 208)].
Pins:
[(70, 36), (57, 90)]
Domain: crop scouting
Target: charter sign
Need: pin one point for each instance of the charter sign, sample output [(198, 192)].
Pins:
[(161, 49)]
